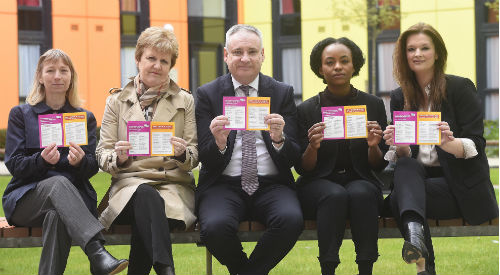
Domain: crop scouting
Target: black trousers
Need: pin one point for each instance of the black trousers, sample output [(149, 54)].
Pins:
[(331, 204), (150, 243), (224, 205), (423, 191)]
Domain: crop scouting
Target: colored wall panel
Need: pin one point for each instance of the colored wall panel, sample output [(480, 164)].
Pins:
[(456, 25), (90, 34), (8, 55), (103, 58), (70, 35), (322, 27), (258, 13), (174, 12)]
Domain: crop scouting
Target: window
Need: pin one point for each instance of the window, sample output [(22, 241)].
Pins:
[(34, 38), (287, 51), (385, 43), (208, 21), (487, 72), (134, 18)]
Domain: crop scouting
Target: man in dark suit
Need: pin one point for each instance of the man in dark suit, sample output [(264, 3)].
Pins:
[(245, 175)]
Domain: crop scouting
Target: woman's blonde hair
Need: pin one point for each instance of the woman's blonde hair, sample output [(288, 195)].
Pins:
[(37, 93), (413, 94), (160, 39)]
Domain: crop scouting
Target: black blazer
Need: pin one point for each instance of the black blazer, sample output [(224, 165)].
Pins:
[(309, 113), (469, 179), (209, 105)]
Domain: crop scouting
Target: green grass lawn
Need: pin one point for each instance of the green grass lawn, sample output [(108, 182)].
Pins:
[(463, 255)]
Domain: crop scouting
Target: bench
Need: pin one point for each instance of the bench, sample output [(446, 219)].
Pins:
[(249, 232)]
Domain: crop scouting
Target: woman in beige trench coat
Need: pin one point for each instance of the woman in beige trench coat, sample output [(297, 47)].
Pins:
[(153, 194)]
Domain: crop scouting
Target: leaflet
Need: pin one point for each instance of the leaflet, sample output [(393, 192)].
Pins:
[(150, 138), (235, 109), (355, 121), (246, 113), (161, 133), (333, 117), (428, 131), (138, 133), (62, 129), (75, 128), (405, 124), (257, 109), (344, 122), (416, 128), (50, 129)]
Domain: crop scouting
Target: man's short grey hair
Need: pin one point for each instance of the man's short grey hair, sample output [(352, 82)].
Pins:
[(241, 27)]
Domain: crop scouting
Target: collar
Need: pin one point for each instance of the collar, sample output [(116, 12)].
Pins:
[(42, 108), (254, 84), (129, 94), (352, 94)]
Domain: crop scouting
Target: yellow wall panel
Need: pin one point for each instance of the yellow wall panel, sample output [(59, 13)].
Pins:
[(9, 56), (103, 60), (456, 24), (454, 4), (258, 13), (315, 28), (418, 6)]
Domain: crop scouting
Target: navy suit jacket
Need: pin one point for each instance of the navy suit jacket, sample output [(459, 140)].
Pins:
[(209, 105), (469, 179), (24, 161)]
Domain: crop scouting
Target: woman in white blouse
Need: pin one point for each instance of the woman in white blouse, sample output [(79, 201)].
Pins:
[(444, 181)]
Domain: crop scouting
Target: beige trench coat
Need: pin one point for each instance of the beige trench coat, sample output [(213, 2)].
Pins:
[(173, 179)]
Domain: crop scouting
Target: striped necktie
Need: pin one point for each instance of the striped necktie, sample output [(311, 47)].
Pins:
[(249, 180)]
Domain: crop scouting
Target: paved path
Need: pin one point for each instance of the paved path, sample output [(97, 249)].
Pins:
[(4, 172)]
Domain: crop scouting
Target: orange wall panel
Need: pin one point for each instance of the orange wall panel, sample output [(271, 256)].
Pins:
[(70, 35), (73, 7), (103, 62), (104, 8), (8, 6), (174, 12), (9, 56)]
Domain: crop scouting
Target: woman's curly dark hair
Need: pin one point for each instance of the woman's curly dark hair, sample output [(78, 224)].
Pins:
[(315, 58)]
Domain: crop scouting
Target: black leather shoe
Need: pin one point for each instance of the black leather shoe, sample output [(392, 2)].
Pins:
[(414, 247), (162, 269), (101, 262)]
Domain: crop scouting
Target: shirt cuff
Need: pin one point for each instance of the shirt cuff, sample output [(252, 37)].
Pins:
[(223, 151), (391, 154), (470, 149)]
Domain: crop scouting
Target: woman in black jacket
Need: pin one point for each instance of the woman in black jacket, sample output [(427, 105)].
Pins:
[(336, 183), (443, 181)]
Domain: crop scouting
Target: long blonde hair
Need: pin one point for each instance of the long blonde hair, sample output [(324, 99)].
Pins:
[(406, 78), (37, 93)]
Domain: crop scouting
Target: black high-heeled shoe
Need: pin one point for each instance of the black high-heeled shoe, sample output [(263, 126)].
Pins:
[(414, 247)]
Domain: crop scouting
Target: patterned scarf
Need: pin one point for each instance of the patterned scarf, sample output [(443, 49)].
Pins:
[(148, 99)]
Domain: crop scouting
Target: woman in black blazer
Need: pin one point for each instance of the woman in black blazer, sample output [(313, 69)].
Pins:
[(446, 181), (336, 183)]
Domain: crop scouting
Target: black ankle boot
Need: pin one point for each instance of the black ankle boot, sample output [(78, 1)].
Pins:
[(101, 262), (414, 247), (163, 269)]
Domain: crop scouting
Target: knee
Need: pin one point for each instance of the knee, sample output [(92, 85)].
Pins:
[(363, 193), (290, 222), (148, 194), (52, 219), (334, 198), (217, 228), (55, 182), (406, 163)]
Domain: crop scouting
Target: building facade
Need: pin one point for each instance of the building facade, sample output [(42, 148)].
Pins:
[(100, 37)]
